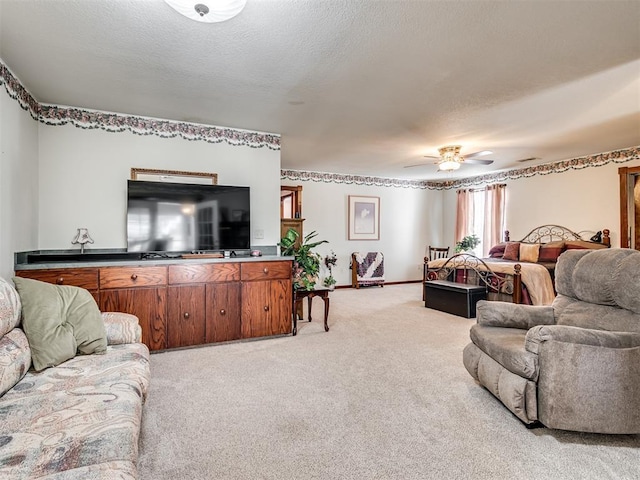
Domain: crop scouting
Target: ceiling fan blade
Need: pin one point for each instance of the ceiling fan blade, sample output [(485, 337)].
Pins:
[(477, 161), (416, 165), (431, 156), (481, 153)]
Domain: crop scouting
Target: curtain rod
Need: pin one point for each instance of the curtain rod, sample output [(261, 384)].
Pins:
[(482, 189)]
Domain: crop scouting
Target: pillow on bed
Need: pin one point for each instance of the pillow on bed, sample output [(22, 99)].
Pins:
[(497, 250), (511, 251), (583, 245), (549, 252), (529, 252)]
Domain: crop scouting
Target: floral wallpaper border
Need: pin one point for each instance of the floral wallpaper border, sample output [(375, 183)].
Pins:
[(116, 122), (17, 91), (597, 160), (580, 163), (326, 177)]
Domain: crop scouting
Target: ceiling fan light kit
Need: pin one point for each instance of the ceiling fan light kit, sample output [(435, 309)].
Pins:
[(450, 158), (207, 11)]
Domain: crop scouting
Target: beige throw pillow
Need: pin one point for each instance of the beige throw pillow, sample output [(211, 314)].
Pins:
[(529, 252), (59, 321)]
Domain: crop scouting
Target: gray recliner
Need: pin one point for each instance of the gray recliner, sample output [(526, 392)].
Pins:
[(573, 365)]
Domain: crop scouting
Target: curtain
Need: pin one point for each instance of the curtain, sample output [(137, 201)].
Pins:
[(494, 203), (464, 215)]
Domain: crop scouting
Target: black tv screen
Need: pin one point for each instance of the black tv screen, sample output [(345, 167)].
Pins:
[(178, 217)]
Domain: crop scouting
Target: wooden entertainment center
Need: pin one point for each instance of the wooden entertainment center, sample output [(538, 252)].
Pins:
[(183, 303)]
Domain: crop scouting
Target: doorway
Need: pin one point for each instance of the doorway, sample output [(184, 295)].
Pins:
[(629, 207), (291, 211), (290, 201)]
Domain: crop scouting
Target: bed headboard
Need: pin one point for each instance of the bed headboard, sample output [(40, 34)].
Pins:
[(551, 233)]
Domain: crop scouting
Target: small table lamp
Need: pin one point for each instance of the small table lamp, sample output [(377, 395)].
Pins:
[(82, 238)]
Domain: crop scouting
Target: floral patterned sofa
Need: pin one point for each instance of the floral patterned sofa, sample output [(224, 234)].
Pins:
[(78, 420)]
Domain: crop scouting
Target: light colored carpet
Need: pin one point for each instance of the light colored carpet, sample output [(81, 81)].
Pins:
[(383, 395)]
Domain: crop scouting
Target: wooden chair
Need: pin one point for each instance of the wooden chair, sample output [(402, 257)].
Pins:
[(434, 253), (438, 252), (367, 269)]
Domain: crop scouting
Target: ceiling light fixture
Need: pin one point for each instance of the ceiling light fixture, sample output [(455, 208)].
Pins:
[(450, 158), (207, 11)]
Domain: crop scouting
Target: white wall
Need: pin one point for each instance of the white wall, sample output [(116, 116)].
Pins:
[(581, 200), (449, 207), (83, 180), (410, 219), (18, 182)]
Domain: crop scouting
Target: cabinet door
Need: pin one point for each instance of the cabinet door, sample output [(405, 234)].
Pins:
[(185, 316), (222, 312), (266, 308), (148, 304), (255, 309), (281, 298)]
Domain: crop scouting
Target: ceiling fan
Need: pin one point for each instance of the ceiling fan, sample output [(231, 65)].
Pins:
[(450, 158)]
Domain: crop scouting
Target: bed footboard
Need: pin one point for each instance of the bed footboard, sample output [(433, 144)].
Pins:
[(471, 270)]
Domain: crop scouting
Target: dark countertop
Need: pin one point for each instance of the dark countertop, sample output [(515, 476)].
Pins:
[(41, 259)]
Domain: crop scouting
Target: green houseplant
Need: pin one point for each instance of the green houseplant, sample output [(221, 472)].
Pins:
[(306, 264), (467, 243)]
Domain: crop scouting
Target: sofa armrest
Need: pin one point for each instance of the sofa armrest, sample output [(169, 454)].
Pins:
[(121, 328), (582, 336), (513, 315)]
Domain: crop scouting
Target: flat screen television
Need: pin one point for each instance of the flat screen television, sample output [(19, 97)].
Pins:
[(179, 217)]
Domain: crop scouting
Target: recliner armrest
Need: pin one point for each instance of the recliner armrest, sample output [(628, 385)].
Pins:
[(588, 379), (582, 336), (121, 328), (512, 315)]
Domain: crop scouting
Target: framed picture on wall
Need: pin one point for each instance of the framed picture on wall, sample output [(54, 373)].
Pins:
[(364, 218), (174, 176)]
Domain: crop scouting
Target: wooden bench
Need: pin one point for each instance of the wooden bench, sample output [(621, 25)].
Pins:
[(455, 298)]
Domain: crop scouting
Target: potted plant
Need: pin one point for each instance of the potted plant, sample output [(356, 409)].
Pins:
[(330, 261), (306, 264), (467, 243)]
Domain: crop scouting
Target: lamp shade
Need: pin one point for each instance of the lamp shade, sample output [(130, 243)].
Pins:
[(449, 165), (207, 11)]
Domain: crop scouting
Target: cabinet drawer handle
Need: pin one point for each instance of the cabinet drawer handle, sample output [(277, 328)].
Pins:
[(266, 308), (60, 281), (186, 315), (265, 270), (134, 277), (222, 311)]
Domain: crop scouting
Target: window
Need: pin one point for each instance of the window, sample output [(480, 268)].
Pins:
[(481, 212)]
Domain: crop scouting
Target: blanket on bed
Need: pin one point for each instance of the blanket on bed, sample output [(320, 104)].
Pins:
[(535, 277)]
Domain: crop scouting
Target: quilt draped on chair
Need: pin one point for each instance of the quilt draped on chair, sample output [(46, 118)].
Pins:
[(368, 269)]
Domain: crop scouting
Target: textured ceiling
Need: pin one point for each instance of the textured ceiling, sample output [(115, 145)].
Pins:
[(358, 87)]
